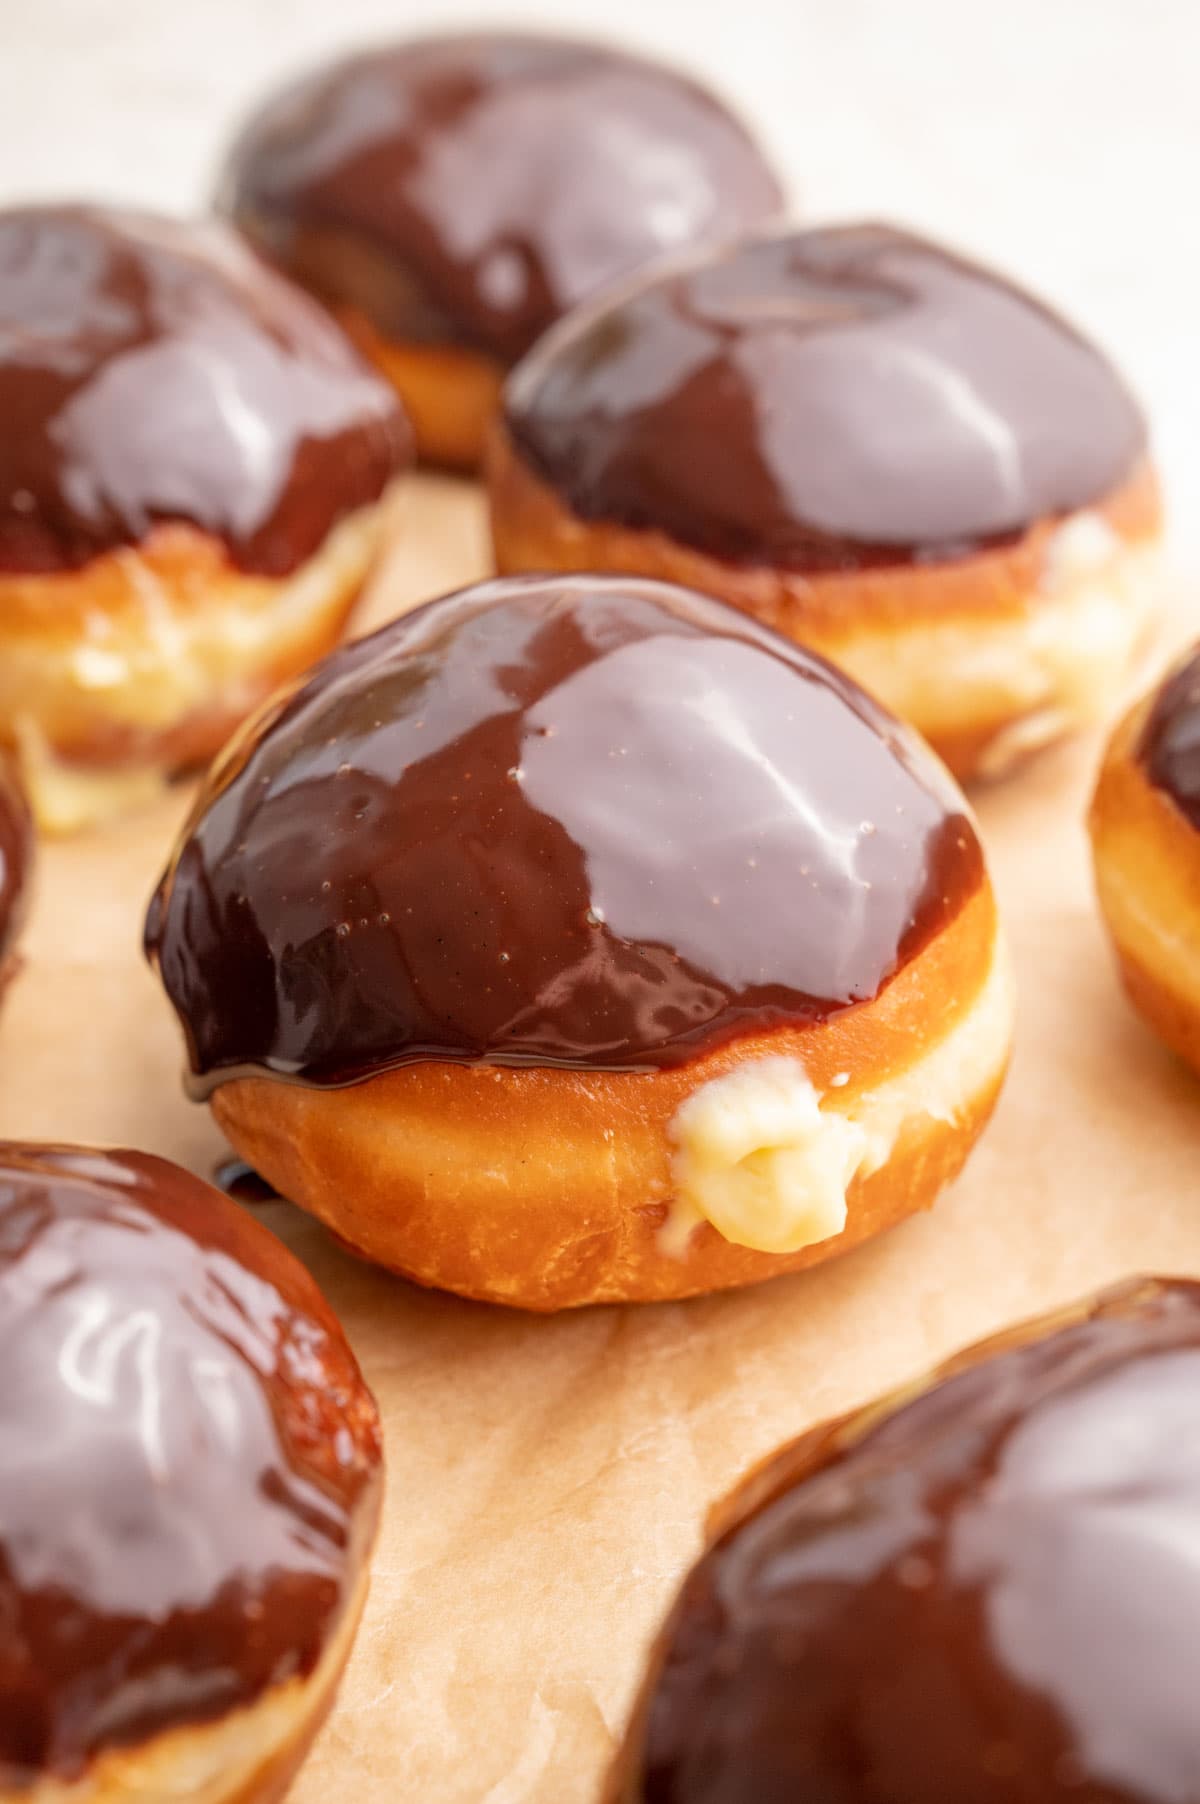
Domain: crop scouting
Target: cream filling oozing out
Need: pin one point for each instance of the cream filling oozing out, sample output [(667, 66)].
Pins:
[(174, 664), (1058, 667), (767, 1159)]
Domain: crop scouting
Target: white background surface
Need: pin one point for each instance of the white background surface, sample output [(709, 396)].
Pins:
[(1059, 138)]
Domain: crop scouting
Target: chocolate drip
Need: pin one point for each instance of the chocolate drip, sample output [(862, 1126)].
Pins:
[(1169, 747), (586, 822), (472, 188), (156, 371), (825, 400), (991, 1594), (189, 1459)]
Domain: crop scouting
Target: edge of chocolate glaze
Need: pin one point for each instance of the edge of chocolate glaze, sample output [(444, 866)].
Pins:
[(826, 1443), (955, 846), (807, 548), (319, 1419)]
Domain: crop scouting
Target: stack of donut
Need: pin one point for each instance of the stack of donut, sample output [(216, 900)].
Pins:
[(610, 931)]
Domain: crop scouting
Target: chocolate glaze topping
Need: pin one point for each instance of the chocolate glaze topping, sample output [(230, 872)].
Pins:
[(1169, 747), (825, 400), (16, 854), (472, 188), (189, 1459), (580, 821), (991, 1595), (152, 370)]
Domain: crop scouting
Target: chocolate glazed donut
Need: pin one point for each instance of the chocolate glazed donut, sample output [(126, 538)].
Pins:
[(1145, 832), (985, 1591), (543, 861), (886, 451), (451, 197), (189, 1486), (1168, 745), (192, 481)]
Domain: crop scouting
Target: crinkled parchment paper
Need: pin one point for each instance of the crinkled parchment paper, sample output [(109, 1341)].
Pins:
[(548, 1479)]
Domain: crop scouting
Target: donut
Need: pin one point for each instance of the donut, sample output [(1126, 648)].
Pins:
[(189, 1489), (450, 197), (16, 855), (193, 475), (886, 452), (1145, 834), (981, 1591), (576, 940)]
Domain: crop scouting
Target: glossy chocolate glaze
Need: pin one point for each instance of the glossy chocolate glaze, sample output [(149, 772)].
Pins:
[(1168, 748), (472, 188), (991, 1594), (153, 370), (189, 1459), (16, 855), (579, 821), (824, 400)]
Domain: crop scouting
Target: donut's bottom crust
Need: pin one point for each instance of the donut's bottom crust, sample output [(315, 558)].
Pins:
[(249, 1757), (1147, 864), (451, 393), (114, 676), (991, 656), (546, 1189)]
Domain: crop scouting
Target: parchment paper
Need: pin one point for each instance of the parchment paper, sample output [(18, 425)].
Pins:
[(548, 1479)]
